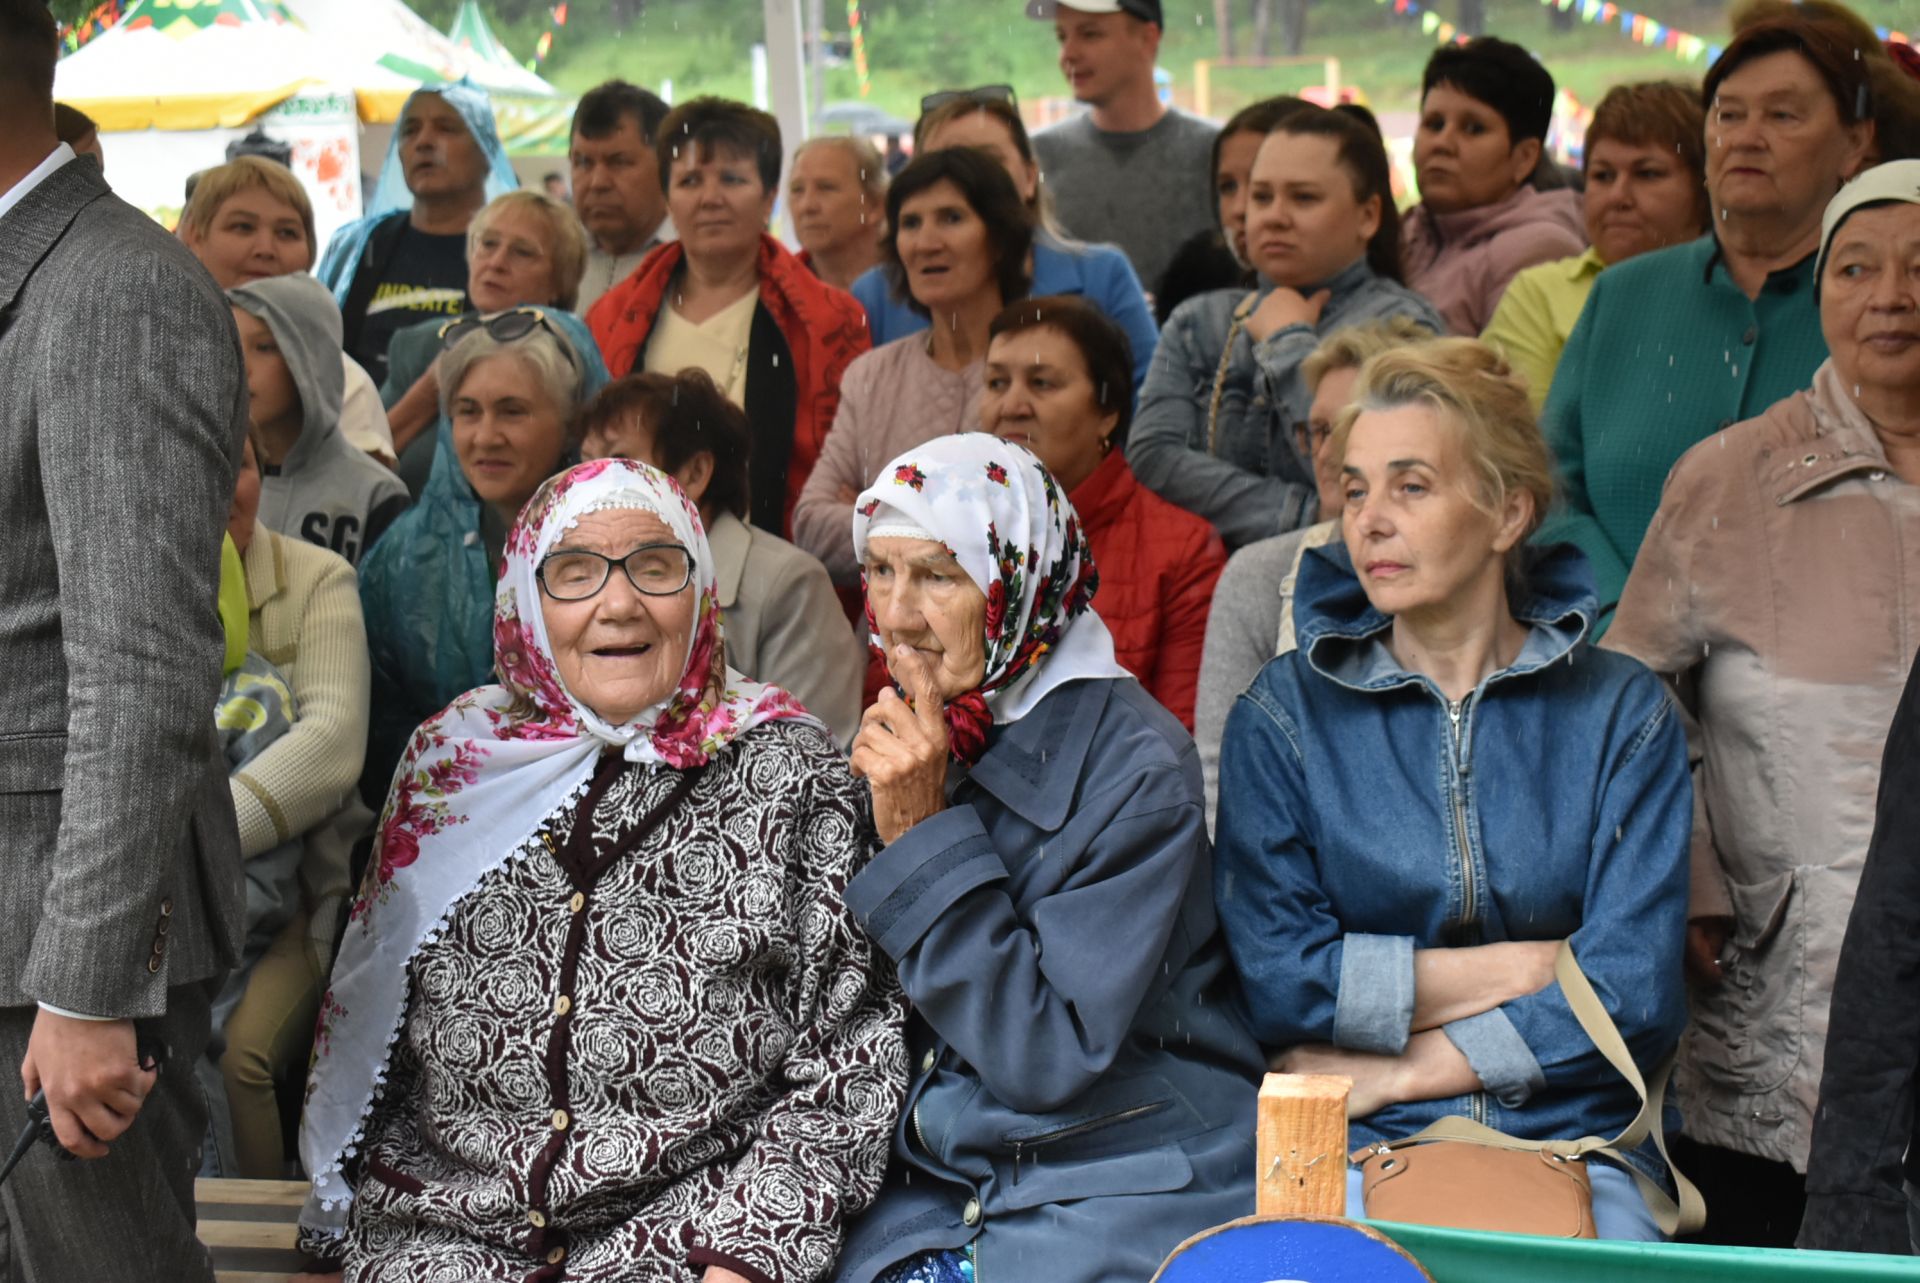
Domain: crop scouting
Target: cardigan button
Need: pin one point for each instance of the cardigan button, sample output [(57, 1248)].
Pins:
[(578, 902), (556, 1256), (970, 1214), (560, 1120), (537, 1218), (562, 1005), (1753, 332)]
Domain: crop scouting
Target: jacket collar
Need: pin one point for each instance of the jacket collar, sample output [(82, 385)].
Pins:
[(729, 539), (1844, 443), (1341, 633), (266, 567), (1032, 765), (1104, 495), (32, 227)]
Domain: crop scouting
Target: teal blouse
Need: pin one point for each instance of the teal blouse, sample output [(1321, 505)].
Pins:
[(1667, 351)]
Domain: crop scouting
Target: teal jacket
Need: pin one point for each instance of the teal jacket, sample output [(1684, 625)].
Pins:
[(1667, 351)]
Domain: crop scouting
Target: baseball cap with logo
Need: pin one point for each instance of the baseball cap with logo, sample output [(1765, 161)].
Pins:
[(1145, 10)]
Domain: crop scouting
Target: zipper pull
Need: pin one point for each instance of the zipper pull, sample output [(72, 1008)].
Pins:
[(1017, 1146)]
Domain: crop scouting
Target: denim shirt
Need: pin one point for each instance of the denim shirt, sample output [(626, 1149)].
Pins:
[(1245, 474), (1374, 818)]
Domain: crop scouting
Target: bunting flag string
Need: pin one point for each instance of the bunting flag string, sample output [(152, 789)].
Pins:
[(1637, 27), (556, 19), (859, 46)]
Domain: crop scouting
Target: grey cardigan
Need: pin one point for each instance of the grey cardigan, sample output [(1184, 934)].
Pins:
[(1244, 473), (1084, 1085)]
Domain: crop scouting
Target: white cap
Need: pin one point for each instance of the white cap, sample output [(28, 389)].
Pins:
[(1896, 182), (1145, 10)]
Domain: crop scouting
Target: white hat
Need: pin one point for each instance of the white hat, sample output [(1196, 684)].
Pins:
[(1145, 10), (1896, 182)]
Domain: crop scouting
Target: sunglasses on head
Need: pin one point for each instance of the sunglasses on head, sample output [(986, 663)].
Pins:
[(506, 327), (985, 93)]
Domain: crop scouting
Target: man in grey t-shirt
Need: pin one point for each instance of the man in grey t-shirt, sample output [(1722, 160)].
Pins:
[(1131, 171)]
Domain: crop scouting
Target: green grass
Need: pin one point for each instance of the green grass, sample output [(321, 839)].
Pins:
[(918, 45)]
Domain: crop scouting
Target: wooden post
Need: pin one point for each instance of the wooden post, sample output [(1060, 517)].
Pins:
[(1303, 1145)]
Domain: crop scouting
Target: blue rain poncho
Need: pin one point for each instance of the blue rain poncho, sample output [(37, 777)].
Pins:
[(390, 196)]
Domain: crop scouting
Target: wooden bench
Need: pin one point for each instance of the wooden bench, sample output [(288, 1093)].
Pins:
[(250, 1227)]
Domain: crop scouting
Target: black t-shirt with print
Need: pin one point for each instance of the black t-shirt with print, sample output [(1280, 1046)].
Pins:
[(425, 277)]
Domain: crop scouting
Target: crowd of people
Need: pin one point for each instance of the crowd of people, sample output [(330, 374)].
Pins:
[(755, 766)]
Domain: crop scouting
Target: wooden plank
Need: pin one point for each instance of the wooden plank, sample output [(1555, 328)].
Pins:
[(249, 1234), (236, 1193), (1303, 1145)]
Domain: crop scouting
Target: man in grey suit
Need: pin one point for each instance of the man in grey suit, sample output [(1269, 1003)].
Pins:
[(122, 405)]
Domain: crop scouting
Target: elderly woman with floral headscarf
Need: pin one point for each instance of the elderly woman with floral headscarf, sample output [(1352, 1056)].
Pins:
[(1083, 1093), (601, 1007)]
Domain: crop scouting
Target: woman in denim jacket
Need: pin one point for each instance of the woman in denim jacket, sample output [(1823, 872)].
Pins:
[(1215, 429), (1450, 780)]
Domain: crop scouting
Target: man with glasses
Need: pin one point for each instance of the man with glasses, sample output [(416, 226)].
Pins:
[(1131, 171)]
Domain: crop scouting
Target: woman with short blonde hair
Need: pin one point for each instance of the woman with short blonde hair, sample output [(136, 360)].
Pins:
[(566, 249), (1442, 782)]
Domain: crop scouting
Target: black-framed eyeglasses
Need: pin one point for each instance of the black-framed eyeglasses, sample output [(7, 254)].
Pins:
[(507, 327), (654, 570), (984, 93)]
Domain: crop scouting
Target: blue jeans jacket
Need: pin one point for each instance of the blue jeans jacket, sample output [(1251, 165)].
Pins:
[(1242, 471), (1362, 817)]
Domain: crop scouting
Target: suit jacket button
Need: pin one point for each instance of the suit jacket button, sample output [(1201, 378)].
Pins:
[(166, 907), (164, 925), (153, 963)]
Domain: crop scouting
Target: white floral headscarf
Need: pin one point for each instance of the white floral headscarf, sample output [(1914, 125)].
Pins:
[(1005, 520), (478, 780)]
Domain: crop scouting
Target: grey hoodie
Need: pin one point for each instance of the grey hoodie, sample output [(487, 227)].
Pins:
[(326, 492)]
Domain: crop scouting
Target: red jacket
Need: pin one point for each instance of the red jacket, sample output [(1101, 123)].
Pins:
[(1157, 565), (825, 329)]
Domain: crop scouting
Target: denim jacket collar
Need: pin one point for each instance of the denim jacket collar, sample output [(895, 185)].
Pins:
[(1032, 765), (1342, 635), (1342, 285)]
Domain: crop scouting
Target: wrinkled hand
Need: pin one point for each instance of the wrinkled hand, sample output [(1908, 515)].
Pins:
[(1285, 307), (90, 1070), (715, 1274), (901, 751), (1706, 941), (1376, 1078)]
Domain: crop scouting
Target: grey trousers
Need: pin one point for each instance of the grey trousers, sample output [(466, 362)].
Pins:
[(128, 1216)]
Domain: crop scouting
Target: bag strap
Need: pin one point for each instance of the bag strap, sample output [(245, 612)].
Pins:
[(1690, 1213), (1240, 314)]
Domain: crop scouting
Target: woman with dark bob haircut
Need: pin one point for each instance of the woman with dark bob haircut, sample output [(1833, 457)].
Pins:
[(1484, 111), (981, 121), (729, 299), (1057, 384), (958, 237), (1215, 431)]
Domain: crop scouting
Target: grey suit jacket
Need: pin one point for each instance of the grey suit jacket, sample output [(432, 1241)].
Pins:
[(122, 405)]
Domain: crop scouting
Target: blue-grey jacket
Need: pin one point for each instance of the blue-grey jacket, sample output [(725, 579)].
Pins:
[(1084, 1084), (1362, 817), (1246, 476)]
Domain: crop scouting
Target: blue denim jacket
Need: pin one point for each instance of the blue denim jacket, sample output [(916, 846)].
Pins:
[(1244, 473), (1362, 817)]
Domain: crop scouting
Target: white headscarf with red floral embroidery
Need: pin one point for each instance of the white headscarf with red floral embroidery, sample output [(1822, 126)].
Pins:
[(1006, 521), (478, 781)]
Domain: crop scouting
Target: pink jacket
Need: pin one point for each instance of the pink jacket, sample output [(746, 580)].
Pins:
[(1463, 261)]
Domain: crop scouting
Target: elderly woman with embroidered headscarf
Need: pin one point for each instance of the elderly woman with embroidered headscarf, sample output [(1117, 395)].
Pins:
[(601, 1004), (406, 259), (1776, 590), (1077, 1109), (511, 388)]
